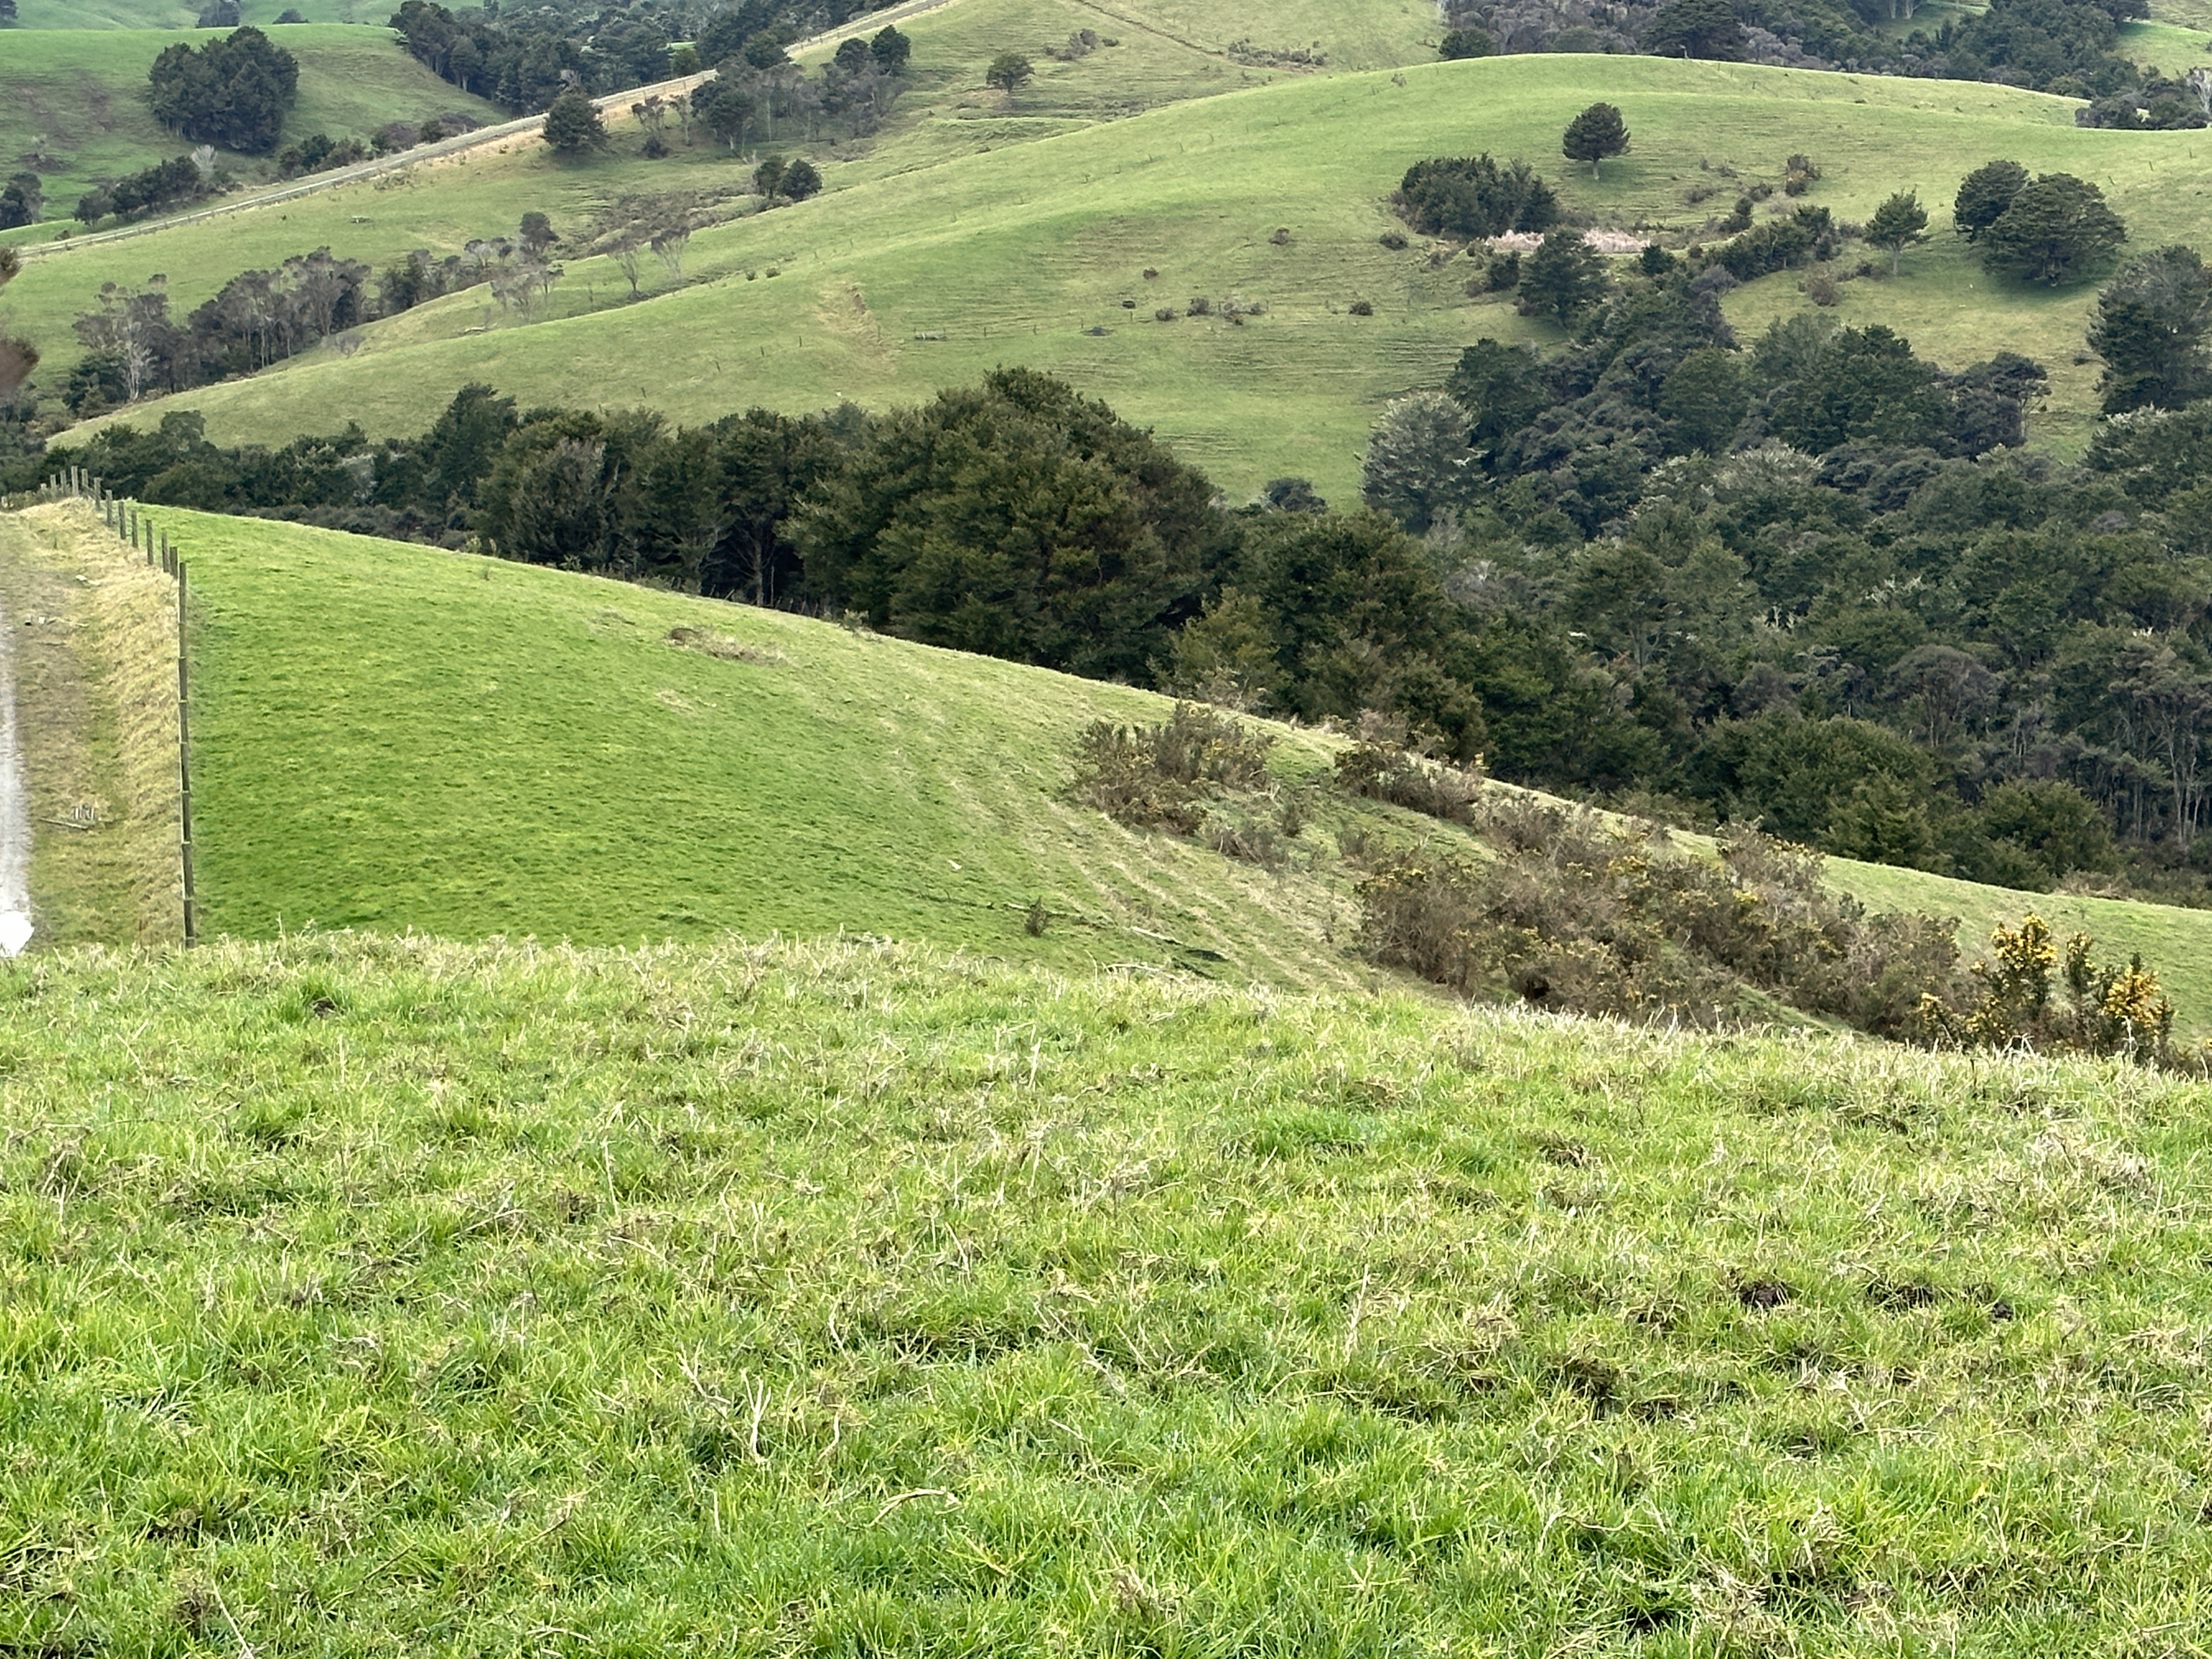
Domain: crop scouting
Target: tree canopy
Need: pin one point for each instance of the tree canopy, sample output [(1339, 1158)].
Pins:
[(234, 92)]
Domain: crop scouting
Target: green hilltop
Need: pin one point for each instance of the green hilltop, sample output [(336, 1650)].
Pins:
[(897, 284)]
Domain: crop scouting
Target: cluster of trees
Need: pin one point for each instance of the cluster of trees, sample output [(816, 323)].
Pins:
[(234, 92), (2064, 46), (183, 178), (1471, 196), (2055, 228), (525, 58), (133, 348)]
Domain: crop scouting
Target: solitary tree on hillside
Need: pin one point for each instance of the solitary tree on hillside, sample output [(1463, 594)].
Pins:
[(1008, 71), (1985, 193), (1563, 278), (768, 177), (891, 50), (6, 11), (801, 181), (573, 124), (2150, 330), (1897, 224), (1595, 134), (2058, 229), (1460, 43), (1697, 28), (1419, 466)]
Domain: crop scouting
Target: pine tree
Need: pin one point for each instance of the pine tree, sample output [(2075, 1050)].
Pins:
[(1564, 278), (573, 124), (1595, 134), (1897, 224)]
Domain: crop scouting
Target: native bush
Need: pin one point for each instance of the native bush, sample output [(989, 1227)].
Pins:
[(1165, 776)]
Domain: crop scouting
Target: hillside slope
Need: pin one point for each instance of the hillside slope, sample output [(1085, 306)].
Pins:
[(76, 98), (1036, 253), (832, 1299), (392, 737)]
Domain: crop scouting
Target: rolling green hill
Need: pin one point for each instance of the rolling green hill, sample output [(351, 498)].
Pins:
[(846, 1299), (392, 737), (74, 99), (173, 15), (1036, 252)]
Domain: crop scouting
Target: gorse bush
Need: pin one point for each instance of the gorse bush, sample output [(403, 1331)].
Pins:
[(1579, 913), (1382, 767), (2104, 1010), (1164, 776)]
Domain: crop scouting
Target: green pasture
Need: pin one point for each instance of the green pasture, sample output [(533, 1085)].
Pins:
[(172, 15), (392, 738), (897, 284), (370, 1296), (74, 99)]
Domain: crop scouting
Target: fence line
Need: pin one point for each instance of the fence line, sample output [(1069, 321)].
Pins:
[(131, 524)]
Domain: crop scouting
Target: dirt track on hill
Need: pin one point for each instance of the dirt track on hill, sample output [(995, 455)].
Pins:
[(614, 103)]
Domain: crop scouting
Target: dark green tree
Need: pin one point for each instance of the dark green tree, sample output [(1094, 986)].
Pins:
[(801, 180), (2150, 327), (1595, 134), (572, 126), (892, 51), (1706, 398), (1501, 389), (1697, 28), (1017, 520), (726, 109), (2057, 230), (1007, 71), (1564, 278), (1866, 386), (6, 11), (1465, 42), (1984, 194), (768, 177), (854, 55), (234, 92), (1897, 224)]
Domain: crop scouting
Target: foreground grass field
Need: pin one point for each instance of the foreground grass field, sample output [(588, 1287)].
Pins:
[(392, 737), (75, 98), (899, 284), (370, 1297)]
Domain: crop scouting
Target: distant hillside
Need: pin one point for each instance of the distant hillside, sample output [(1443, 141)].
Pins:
[(75, 100), (898, 283)]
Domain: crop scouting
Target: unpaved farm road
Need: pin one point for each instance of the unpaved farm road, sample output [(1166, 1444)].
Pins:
[(613, 103)]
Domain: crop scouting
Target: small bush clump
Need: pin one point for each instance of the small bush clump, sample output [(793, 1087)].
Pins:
[(1164, 776), (1382, 767)]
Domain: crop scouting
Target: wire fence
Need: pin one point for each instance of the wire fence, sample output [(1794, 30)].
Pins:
[(130, 524)]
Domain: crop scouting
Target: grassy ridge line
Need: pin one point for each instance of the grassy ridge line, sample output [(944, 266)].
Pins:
[(1016, 255), (741, 1300), (80, 94), (392, 738), (175, 16)]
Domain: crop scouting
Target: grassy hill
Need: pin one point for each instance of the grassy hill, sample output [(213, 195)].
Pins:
[(847, 1298), (392, 737), (174, 14), (75, 98), (898, 283)]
